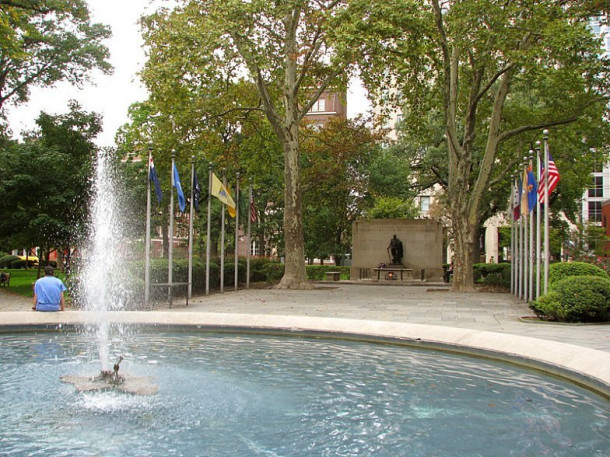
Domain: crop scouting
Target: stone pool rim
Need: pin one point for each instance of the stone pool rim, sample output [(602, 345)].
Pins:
[(586, 367)]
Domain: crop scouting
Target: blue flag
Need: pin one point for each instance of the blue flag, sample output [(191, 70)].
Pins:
[(178, 186), (196, 192), (152, 175), (532, 188)]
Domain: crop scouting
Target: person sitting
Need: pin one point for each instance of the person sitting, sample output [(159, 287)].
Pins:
[(49, 292), (448, 272)]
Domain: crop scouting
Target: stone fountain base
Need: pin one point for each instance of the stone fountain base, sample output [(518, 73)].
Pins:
[(112, 380)]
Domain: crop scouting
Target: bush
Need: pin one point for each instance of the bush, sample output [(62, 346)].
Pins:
[(493, 274), (318, 272), (576, 299), (561, 270), (5, 261), (273, 271)]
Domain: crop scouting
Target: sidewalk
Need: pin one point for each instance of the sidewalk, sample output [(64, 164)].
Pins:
[(431, 305)]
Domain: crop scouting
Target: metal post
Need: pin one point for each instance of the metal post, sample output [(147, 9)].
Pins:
[(236, 230), (538, 234), (170, 252), (531, 229), (190, 277), (222, 238), (546, 258), (147, 237), (207, 242), (249, 233)]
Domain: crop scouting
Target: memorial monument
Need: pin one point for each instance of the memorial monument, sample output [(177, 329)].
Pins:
[(415, 244)]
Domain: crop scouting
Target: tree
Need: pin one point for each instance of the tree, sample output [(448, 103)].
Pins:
[(466, 61), (337, 160), (285, 50), (46, 41), (45, 181)]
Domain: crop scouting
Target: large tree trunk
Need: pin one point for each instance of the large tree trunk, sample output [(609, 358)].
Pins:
[(295, 276)]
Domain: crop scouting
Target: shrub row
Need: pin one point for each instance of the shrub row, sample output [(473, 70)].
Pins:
[(493, 274)]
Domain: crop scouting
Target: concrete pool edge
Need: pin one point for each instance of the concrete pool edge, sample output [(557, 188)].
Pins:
[(584, 366)]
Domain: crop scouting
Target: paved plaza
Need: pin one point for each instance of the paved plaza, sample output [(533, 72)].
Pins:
[(496, 322)]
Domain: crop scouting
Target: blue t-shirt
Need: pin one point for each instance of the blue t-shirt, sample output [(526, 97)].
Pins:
[(48, 292)]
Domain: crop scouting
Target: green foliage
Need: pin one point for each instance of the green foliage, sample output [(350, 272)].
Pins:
[(561, 270), (576, 299), (45, 181), (273, 271), (318, 272), (47, 41), (6, 260), (393, 208), (493, 274)]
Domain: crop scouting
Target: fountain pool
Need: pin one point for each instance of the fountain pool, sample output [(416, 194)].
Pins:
[(246, 395)]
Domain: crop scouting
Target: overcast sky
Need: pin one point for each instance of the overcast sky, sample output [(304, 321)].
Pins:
[(112, 95)]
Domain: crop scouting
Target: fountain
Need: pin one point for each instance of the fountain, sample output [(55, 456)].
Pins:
[(101, 280), (242, 395)]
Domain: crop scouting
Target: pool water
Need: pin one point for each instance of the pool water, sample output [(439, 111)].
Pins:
[(250, 395)]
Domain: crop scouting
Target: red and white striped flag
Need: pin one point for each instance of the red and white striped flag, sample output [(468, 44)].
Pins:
[(553, 180)]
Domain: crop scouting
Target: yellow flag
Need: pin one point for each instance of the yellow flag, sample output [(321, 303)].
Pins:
[(220, 191)]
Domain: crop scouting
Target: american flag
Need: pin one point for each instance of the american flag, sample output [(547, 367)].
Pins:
[(553, 180)]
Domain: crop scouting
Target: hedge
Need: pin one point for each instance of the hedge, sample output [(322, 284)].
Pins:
[(561, 270), (576, 299)]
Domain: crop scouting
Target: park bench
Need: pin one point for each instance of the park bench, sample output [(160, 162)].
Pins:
[(170, 287), (333, 275), (5, 279)]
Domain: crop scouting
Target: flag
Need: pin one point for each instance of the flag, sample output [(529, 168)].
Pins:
[(516, 200), (524, 198), (220, 192), (178, 186), (154, 177), (253, 215), (553, 179), (532, 187), (196, 192)]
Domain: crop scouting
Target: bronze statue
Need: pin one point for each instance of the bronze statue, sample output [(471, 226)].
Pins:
[(395, 250)]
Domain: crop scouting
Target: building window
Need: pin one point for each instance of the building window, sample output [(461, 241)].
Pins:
[(595, 211), (319, 106), (424, 204), (597, 190)]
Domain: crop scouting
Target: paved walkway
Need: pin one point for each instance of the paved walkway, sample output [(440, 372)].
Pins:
[(431, 304)]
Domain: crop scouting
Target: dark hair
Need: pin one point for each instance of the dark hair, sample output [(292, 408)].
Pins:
[(49, 270)]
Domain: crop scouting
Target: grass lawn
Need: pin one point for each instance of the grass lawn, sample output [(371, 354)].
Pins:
[(23, 280)]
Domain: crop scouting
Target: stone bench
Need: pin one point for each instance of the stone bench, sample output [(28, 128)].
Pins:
[(333, 275)]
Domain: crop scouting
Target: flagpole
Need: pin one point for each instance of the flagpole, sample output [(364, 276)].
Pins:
[(519, 250), (170, 251), (236, 230), (545, 137), (524, 212), (147, 237), (222, 238), (531, 228), (512, 235), (538, 234), (207, 243), (249, 233), (190, 278)]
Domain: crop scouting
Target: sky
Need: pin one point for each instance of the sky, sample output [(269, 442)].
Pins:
[(111, 95)]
